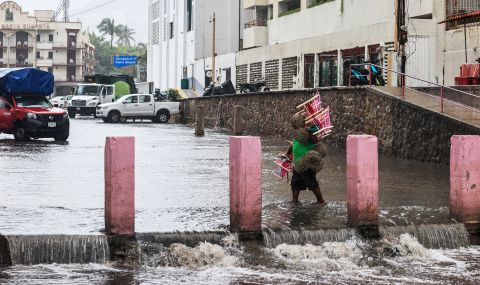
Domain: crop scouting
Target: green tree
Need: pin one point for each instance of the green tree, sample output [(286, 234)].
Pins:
[(125, 35), (107, 27)]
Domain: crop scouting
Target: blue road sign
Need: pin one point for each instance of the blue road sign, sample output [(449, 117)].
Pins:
[(124, 60)]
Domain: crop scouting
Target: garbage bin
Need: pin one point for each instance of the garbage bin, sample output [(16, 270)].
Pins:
[(184, 83)]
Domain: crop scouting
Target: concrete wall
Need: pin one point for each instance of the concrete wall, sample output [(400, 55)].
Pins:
[(403, 130)]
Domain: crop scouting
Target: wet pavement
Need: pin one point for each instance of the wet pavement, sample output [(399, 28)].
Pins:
[(182, 183)]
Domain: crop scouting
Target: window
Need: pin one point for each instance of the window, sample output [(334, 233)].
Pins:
[(189, 15), (131, 99), (228, 74), (145, 98), (50, 38), (170, 30), (38, 37), (38, 55), (8, 15), (50, 55), (309, 71)]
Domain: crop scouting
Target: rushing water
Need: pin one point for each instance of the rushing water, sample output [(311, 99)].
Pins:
[(182, 185), (44, 249)]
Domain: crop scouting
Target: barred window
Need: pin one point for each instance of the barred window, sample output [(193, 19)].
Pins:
[(155, 10), (289, 71), (156, 33), (459, 7)]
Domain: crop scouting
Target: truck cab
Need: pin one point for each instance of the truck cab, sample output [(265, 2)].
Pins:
[(29, 116), (86, 98)]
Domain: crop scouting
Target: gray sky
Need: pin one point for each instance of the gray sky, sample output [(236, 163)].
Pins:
[(133, 13)]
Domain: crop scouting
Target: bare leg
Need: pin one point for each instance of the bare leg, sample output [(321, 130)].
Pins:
[(295, 195), (318, 194)]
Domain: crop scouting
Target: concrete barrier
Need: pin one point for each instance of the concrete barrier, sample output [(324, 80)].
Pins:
[(465, 178), (238, 120), (245, 184), (120, 186), (199, 121), (362, 180)]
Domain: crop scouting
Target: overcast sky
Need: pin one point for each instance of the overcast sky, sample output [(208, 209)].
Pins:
[(133, 13)]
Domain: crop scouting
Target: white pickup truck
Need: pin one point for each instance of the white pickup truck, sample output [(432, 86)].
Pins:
[(137, 106)]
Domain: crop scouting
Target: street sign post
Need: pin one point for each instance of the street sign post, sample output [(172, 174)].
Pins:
[(120, 61)]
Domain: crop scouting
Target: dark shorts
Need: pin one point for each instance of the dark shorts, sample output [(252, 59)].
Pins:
[(304, 180)]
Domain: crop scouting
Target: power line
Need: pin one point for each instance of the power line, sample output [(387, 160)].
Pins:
[(93, 8)]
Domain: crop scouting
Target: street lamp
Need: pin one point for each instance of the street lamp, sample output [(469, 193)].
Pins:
[(212, 21)]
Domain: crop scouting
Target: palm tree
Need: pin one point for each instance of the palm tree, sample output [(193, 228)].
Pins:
[(125, 35), (107, 27)]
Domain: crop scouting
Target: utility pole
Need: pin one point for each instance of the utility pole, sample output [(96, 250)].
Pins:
[(402, 35), (212, 20)]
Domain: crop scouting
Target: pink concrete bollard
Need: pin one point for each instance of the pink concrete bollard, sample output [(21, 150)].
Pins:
[(465, 178), (245, 184), (362, 180), (120, 185)]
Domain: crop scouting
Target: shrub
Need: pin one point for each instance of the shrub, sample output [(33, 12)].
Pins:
[(121, 89), (173, 95)]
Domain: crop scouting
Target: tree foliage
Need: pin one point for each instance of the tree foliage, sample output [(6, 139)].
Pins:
[(125, 45)]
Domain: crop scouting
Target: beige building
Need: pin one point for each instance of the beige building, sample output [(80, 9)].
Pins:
[(39, 41)]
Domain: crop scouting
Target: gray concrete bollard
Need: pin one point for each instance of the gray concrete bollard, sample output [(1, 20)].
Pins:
[(238, 125), (199, 120)]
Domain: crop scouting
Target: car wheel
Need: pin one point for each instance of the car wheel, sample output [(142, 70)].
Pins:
[(63, 137), (114, 117), (163, 116), (20, 134), (72, 114)]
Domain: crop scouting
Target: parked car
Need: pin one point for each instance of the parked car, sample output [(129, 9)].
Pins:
[(57, 101), (137, 106), (25, 111)]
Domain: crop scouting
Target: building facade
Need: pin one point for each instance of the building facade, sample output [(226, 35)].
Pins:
[(311, 43), (39, 41), (180, 41)]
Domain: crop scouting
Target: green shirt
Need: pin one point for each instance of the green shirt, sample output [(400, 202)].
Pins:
[(300, 149)]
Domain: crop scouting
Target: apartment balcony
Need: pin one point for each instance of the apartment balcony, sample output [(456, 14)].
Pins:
[(68, 45), (44, 62), (248, 4), (44, 45), (255, 34), (64, 62)]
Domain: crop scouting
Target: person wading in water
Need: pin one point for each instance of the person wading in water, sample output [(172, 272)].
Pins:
[(308, 154)]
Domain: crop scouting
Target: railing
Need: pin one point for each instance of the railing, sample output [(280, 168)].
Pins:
[(256, 23), (72, 45), (403, 78)]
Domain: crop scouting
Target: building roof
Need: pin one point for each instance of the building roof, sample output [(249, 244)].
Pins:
[(462, 17)]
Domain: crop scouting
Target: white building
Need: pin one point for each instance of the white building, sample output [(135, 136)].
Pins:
[(180, 41), (311, 43), (39, 41)]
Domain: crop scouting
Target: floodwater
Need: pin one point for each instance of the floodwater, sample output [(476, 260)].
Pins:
[(182, 185)]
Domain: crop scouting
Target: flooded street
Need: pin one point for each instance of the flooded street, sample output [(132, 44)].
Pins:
[(182, 185)]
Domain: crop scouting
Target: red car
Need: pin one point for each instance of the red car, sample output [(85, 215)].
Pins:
[(24, 110)]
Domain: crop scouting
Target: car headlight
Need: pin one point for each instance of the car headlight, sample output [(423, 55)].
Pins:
[(104, 107), (92, 103), (32, 116)]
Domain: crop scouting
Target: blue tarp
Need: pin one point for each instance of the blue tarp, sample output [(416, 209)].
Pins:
[(30, 81)]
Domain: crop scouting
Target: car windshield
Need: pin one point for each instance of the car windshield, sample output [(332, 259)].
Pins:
[(87, 90), (32, 101)]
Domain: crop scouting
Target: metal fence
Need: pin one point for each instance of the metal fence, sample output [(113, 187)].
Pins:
[(458, 7)]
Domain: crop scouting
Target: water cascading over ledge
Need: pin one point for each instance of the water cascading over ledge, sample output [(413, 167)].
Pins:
[(63, 249)]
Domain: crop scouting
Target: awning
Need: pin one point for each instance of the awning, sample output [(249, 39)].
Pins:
[(461, 17)]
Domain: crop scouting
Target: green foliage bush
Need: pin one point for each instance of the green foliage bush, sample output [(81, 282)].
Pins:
[(121, 89), (288, 12), (318, 2), (173, 95)]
